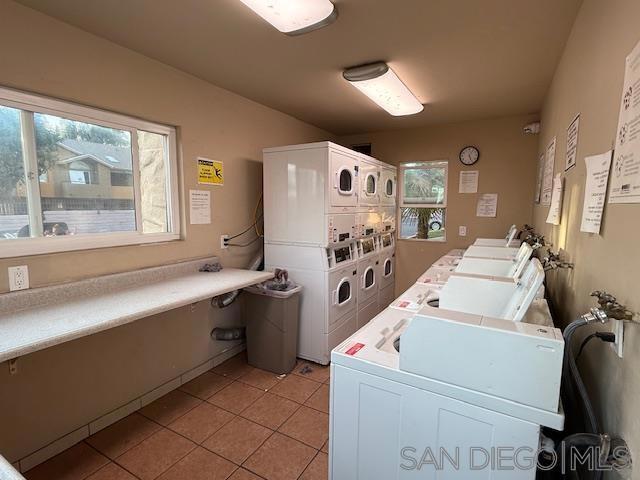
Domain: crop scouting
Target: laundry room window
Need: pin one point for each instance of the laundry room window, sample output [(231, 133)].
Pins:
[(423, 200), (74, 177)]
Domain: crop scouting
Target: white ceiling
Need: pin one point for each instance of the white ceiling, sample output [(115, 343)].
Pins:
[(466, 59)]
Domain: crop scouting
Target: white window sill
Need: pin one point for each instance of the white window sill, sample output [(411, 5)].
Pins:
[(23, 247)]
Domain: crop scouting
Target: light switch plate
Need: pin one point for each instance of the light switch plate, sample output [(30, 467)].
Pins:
[(18, 278), (462, 231)]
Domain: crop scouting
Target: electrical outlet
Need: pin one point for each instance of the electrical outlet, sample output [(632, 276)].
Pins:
[(617, 327), (18, 278), (462, 231), (224, 241)]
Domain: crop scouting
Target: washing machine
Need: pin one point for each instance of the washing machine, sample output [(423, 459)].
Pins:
[(509, 240), (476, 251), (436, 275), (388, 185), (416, 297), (401, 388), (480, 267), (328, 307), (319, 198), (310, 194), (386, 269), (368, 279), (497, 298)]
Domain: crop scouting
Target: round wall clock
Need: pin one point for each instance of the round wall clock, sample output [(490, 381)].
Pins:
[(469, 155)]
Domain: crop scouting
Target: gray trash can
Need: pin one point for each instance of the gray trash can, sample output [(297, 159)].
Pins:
[(272, 327)]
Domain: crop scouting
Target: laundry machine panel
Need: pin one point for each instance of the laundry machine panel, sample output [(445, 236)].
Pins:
[(295, 187), (369, 192), (386, 296), (368, 223), (388, 221), (343, 329), (367, 311), (341, 227), (388, 186), (343, 173), (381, 429)]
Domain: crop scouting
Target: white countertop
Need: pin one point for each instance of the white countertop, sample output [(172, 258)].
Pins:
[(7, 472), (32, 329)]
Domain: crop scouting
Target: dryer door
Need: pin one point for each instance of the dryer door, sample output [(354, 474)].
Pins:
[(343, 293), (388, 182), (369, 194), (368, 280), (344, 179), (387, 269)]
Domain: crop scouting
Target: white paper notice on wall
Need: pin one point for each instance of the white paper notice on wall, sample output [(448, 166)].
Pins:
[(199, 207), (539, 182), (468, 181), (487, 205), (547, 173), (625, 179), (572, 143), (595, 191), (555, 211)]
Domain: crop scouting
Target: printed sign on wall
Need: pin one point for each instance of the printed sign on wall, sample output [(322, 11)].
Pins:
[(572, 143), (547, 174), (487, 205), (539, 182), (210, 172), (555, 212), (595, 191), (625, 178)]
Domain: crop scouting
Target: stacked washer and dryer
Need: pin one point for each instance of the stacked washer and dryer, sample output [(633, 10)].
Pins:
[(330, 220)]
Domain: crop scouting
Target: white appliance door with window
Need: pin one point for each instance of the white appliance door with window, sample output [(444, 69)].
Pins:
[(343, 291), (367, 279), (343, 181), (387, 268), (369, 194), (388, 186)]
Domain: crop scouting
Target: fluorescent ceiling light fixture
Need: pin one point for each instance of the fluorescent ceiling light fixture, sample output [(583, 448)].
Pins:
[(381, 84), (294, 17)]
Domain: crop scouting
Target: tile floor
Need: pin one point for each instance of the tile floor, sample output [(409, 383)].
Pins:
[(234, 422)]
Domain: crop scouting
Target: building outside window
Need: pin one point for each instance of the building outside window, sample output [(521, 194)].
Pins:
[(94, 177)]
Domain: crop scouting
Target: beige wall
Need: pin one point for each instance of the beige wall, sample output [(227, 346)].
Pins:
[(589, 81), (61, 388), (62, 61), (507, 166)]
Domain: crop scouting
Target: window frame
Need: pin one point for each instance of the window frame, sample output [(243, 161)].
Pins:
[(424, 165), (33, 103)]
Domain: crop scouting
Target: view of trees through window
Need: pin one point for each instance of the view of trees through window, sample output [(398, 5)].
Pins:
[(423, 200)]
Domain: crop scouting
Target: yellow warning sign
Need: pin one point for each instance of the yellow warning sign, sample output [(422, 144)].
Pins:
[(210, 172)]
